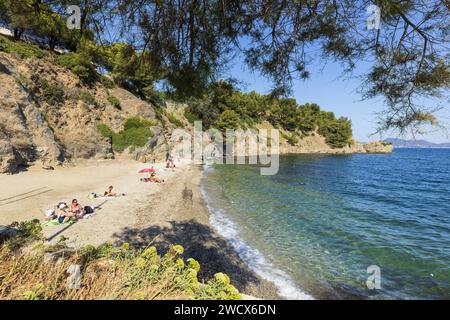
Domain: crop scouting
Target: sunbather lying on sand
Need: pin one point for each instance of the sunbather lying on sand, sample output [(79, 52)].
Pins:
[(110, 193), (154, 179)]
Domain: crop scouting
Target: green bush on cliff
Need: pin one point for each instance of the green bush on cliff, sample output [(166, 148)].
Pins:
[(174, 120), (107, 272), (107, 82), (81, 65), (23, 49), (191, 117), (135, 133), (105, 131), (87, 97), (115, 102), (51, 93)]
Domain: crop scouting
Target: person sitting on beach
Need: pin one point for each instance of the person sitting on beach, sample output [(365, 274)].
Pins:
[(109, 192), (63, 214), (76, 209), (154, 179), (170, 164)]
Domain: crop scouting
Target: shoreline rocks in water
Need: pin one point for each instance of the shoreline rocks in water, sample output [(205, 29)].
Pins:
[(379, 147)]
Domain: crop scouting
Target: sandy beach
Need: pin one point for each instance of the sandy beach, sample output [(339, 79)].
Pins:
[(156, 214)]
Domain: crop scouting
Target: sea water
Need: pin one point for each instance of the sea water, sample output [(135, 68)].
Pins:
[(318, 225)]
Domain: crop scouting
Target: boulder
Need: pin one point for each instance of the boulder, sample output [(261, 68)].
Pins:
[(59, 255), (379, 147), (7, 158), (6, 233)]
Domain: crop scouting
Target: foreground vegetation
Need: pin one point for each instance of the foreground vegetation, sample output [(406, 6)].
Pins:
[(32, 270)]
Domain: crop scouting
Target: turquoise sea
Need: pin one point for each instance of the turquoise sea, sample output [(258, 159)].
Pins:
[(316, 226)]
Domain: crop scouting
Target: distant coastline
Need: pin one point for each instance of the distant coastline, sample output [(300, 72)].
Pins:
[(401, 143)]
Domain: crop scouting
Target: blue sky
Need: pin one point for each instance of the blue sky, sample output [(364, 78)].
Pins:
[(328, 89)]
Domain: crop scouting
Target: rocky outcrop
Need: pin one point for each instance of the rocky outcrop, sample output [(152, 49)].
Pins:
[(6, 233), (156, 148), (379, 147), (315, 143), (24, 135)]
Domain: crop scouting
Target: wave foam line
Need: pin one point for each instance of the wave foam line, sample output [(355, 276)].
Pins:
[(256, 261)]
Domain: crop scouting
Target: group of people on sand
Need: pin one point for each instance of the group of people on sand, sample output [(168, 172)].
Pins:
[(65, 213), (75, 211), (152, 172), (152, 178)]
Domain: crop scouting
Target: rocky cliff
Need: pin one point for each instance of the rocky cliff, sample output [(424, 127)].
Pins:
[(48, 116), (315, 143)]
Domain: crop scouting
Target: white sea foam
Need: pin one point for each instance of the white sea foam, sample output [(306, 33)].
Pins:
[(251, 256)]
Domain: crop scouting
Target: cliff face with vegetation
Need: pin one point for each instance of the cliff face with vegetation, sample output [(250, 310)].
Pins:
[(56, 108), (50, 116)]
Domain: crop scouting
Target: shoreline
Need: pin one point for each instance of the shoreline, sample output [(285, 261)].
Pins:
[(149, 214), (286, 288)]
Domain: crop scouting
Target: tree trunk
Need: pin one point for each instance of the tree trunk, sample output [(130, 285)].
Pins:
[(52, 43), (18, 33), (192, 32)]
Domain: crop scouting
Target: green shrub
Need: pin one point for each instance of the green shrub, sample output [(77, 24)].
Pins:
[(292, 138), (105, 131), (337, 132), (115, 102), (87, 97), (27, 232), (107, 82), (137, 137), (173, 119), (136, 122), (23, 49), (218, 288), (136, 133), (190, 116), (81, 65), (51, 93)]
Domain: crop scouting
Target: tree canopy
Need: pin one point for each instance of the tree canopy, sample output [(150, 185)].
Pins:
[(225, 107), (188, 43)]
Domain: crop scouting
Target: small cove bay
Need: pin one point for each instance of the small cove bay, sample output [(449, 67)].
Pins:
[(316, 226)]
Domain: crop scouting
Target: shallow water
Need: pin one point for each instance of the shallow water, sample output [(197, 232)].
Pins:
[(316, 226)]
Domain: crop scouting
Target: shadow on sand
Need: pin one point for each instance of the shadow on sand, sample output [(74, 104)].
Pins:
[(201, 242)]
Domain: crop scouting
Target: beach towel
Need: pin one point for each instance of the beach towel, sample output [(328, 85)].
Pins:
[(55, 222)]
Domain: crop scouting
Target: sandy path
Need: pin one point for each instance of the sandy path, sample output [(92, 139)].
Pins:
[(157, 214)]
